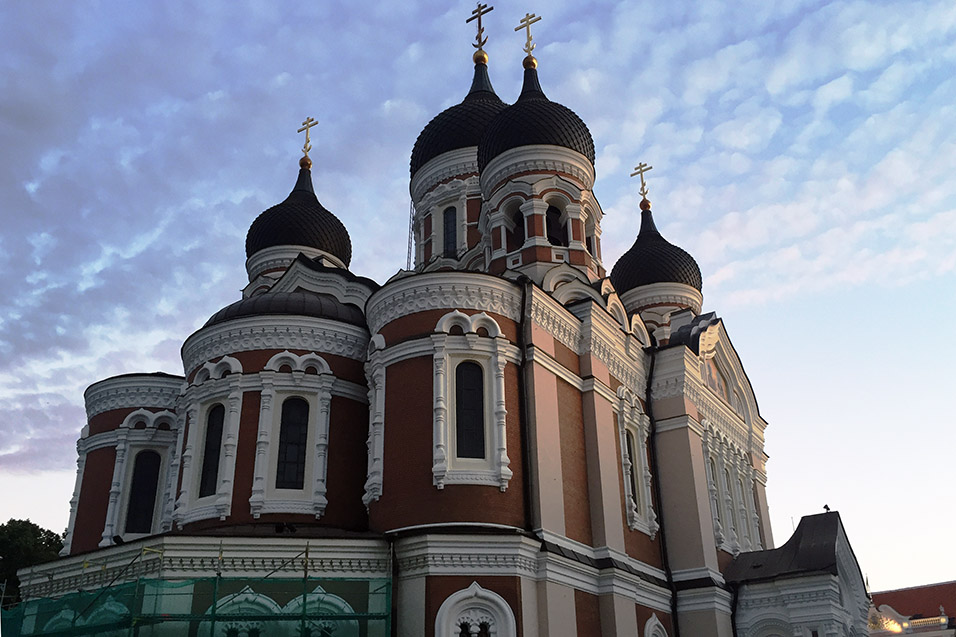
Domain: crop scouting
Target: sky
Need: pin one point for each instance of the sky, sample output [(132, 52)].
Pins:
[(803, 151)]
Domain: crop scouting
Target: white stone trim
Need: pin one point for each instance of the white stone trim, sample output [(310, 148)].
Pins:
[(276, 257), (134, 390), (663, 294), (342, 288), (488, 352), (711, 599), (454, 163), (443, 290), (632, 420), (264, 332), (375, 376), (536, 158), (654, 628), (276, 387), (476, 606)]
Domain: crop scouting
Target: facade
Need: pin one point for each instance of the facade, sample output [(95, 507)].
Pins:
[(508, 439)]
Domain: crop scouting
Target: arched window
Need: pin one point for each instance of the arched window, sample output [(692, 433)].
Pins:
[(716, 499), (556, 229), (635, 465), (469, 411), (515, 236), (293, 432), (209, 476), (729, 497), (142, 492), (450, 226)]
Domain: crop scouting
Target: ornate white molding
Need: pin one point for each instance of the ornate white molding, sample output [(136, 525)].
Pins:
[(132, 390), (375, 376), (279, 257), (264, 332), (631, 420), (536, 158), (461, 162), (443, 290), (476, 608)]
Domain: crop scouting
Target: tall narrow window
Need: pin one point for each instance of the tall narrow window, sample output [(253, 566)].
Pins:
[(209, 477), (715, 500), (469, 411), (450, 225), (293, 433), (635, 465), (142, 492), (516, 235), (557, 231)]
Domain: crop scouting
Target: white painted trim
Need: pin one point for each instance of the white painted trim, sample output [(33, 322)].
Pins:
[(475, 606), (540, 158), (276, 257), (666, 293), (631, 420), (454, 163), (654, 628), (134, 390)]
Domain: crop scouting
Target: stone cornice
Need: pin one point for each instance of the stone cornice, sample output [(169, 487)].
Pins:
[(536, 158), (454, 163), (131, 391), (663, 294), (443, 290), (265, 332), (279, 257)]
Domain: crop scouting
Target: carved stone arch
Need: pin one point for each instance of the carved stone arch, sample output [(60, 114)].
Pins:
[(298, 363), (775, 626), (475, 605), (640, 330), (376, 343), (140, 415), (468, 324), (245, 602), (575, 291), (562, 274), (618, 311), (226, 365), (654, 628), (319, 602)]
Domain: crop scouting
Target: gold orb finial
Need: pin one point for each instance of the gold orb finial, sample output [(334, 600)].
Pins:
[(530, 62), (305, 162), (480, 57), (645, 204)]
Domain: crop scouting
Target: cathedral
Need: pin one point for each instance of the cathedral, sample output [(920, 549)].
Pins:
[(511, 437)]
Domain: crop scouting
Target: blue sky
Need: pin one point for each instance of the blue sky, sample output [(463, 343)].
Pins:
[(803, 152)]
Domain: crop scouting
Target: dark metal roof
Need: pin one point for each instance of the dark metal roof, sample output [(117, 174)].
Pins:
[(459, 126), (290, 303), (652, 259), (534, 119), (316, 265), (689, 334), (811, 549), (300, 220)]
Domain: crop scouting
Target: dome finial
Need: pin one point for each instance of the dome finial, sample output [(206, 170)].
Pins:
[(481, 39), (525, 23), (640, 169), (305, 162)]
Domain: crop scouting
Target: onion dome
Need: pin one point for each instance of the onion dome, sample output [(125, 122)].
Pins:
[(652, 259), (300, 220), (534, 119), (462, 125), (290, 303)]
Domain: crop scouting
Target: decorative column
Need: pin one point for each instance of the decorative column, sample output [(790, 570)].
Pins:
[(320, 466), (115, 486), (501, 434), (261, 465), (440, 452)]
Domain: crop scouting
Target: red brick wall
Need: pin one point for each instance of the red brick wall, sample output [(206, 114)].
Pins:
[(577, 515), (94, 500), (587, 611)]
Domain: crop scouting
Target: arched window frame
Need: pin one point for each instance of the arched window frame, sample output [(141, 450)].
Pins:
[(210, 455), (633, 422), (294, 436), (557, 227), (654, 628), (214, 383), (134, 499), (285, 376), (475, 605), (159, 434), (491, 351)]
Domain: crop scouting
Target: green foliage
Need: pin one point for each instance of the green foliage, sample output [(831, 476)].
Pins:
[(22, 544)]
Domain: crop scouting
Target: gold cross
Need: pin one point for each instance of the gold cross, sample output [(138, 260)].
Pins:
[(525, 23), (476, 15), (306, 125), (640, 169)]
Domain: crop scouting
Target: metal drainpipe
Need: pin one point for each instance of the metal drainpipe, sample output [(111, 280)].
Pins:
[(652, 350)]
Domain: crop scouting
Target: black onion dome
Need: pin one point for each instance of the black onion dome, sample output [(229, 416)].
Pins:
[(290, 303), (461, 125), (652, 259), (534, 119), (300, 220)]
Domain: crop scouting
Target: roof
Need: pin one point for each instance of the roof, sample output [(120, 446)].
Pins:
[(919, 600), (290, 303), (534, 119), (460, 126), (811, 549), (689, 334), (300, 220), (653, 259)]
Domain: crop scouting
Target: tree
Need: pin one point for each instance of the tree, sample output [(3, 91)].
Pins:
[(22, 544)]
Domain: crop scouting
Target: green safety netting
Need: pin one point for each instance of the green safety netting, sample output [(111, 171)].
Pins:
[(212, 607)]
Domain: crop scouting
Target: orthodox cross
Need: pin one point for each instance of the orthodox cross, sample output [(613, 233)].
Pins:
[(640, 169), (476, 15), (306, 125), (525, 23)]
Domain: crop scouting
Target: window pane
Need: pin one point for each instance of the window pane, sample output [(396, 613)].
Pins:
[(557, 231), (635, 495), (142, 492), (450, 224), (293, 433), (210, 455), (469, 411)]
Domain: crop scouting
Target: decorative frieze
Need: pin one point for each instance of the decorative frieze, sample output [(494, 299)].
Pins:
[(131, 391)]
